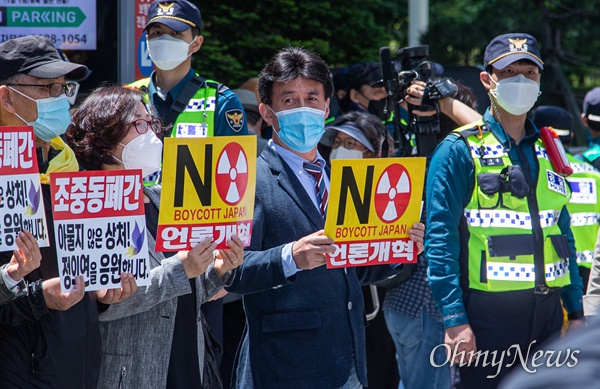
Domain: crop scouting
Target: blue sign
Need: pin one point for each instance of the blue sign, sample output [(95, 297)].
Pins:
[(143, 57)]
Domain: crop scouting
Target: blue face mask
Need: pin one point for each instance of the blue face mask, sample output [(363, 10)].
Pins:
[(301, 129), (53, 116)]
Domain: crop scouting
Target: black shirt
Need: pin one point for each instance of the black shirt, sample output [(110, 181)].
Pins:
[(184, 370)]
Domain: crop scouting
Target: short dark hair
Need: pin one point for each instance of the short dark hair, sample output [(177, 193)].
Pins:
[(252, 117), (289, 64), (100, 123)]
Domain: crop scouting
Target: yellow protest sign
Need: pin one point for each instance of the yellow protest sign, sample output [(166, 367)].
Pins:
[(208, 189), (373, 203)]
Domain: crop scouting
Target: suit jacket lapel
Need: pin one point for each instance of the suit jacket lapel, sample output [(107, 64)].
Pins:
[(291, 185)]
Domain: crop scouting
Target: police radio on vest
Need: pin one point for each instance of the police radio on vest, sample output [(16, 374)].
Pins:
[(556, 152)]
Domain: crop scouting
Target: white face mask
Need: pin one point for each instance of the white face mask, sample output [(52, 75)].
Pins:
[(168, 52), (516, 95), (343, 153), (143, 152)]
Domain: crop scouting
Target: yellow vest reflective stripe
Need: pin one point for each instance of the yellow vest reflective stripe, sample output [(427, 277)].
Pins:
[(584, 208), (501, 245), (525, 271), (198, 118), (505, 218)]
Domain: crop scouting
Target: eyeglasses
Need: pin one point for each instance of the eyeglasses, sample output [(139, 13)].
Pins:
[(349, 143), (141, 125), (55, 89)]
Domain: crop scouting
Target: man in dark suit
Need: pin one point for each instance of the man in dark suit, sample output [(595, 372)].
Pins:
[(305, 323)]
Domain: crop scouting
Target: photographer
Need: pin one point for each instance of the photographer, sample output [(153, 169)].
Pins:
[(460, 108), (412, 318), (359, 87)]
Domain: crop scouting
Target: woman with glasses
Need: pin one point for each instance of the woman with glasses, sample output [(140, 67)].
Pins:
[(155, 338), (354, 135), (359, 134)]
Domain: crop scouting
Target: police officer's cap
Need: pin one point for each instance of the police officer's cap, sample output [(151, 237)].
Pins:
[(508, 48), (180, 15), (591, 107), (556, 117)]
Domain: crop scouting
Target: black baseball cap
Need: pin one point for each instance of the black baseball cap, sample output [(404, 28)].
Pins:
[(556, 117), (180, 15), (353, 76), (508, 48), (36, 56)]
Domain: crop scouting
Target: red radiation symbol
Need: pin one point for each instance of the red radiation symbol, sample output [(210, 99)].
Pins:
[(392, 194), (231, 177)]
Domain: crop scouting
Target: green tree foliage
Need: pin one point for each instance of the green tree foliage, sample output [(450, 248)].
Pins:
[(567, 31), (241, 36)]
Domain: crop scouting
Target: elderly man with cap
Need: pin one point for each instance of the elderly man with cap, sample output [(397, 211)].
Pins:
[(584, 206), (499, 244), (591, 118), (49, 339), (189, 105)]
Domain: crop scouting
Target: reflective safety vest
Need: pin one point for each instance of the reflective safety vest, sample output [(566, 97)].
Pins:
[(510, 226), (584, 208), (197, 119)]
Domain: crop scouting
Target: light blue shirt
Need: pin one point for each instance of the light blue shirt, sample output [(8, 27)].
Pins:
[(296, 163)]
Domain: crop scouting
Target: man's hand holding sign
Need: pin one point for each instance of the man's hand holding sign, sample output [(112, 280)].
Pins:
[(371, 208), (311, 251)]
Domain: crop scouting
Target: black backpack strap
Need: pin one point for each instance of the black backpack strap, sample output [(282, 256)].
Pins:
[(188, 91), (220, 89)]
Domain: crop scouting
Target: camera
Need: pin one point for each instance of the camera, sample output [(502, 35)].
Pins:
[(411, 64)]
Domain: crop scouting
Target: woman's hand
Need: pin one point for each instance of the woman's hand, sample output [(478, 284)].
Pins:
[(227, 260), (113, 296), (196, 261), (26, 258)]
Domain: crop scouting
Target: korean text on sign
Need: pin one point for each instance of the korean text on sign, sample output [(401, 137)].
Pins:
[(207, 191), (372, 206), (21, 200), (100, 227)]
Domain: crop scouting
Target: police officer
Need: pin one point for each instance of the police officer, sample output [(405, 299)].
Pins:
[(498, 240), (584, 206), (189, 105), (591, 118)]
